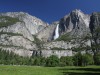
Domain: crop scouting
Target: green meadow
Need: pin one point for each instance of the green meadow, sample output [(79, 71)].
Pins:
[(37, 70)]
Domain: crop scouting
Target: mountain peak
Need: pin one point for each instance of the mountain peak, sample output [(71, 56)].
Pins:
[(81, 16), (77, 11)]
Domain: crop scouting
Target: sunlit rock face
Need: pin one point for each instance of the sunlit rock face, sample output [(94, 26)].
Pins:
[(77, 23), (32, 23), (48, 33)]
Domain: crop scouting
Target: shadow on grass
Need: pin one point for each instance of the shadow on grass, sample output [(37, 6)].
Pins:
[(73, 73), (85, 71)]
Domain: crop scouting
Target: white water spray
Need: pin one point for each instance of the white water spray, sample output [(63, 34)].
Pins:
[(56, 32)]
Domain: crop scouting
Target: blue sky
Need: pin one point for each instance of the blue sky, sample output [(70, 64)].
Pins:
[(49, 10)]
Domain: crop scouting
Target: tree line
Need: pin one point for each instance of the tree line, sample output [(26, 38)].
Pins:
[(9, 58)]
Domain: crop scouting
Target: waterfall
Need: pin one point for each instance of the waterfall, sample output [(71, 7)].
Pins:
[(56, 32)]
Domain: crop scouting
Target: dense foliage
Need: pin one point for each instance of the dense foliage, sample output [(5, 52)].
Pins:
[(97, 58), (83, 59)]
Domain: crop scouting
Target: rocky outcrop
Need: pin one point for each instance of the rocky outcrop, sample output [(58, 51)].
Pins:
[(76, 23), (47, 33), (18, 28), (16, 40), (95, 30), (15, 34), (59, 44), (18, 51), (33, 24), (48, 53)]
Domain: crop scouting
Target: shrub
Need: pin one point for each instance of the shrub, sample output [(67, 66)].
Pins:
[(64, 37), (8, 21), (56, 48)]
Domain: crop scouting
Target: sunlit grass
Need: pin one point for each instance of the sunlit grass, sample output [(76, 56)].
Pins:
[(37, 70)]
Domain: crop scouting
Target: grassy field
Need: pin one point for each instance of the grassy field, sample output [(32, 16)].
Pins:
[(36, 70)]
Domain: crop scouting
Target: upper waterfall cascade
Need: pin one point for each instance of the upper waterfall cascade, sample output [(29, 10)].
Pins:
[(56, 32)]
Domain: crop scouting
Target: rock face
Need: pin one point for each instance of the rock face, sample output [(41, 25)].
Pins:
[(16, 30), (95, 30), (77, 23), (47, 33), (33, 24), (59, 44), (19, 28), (18, 50), (16, 40), (27, 35), (48, 53)]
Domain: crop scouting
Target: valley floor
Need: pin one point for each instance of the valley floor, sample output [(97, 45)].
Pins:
[(37, 70)]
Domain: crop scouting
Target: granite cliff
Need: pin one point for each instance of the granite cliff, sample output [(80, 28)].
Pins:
[(27, 35)]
